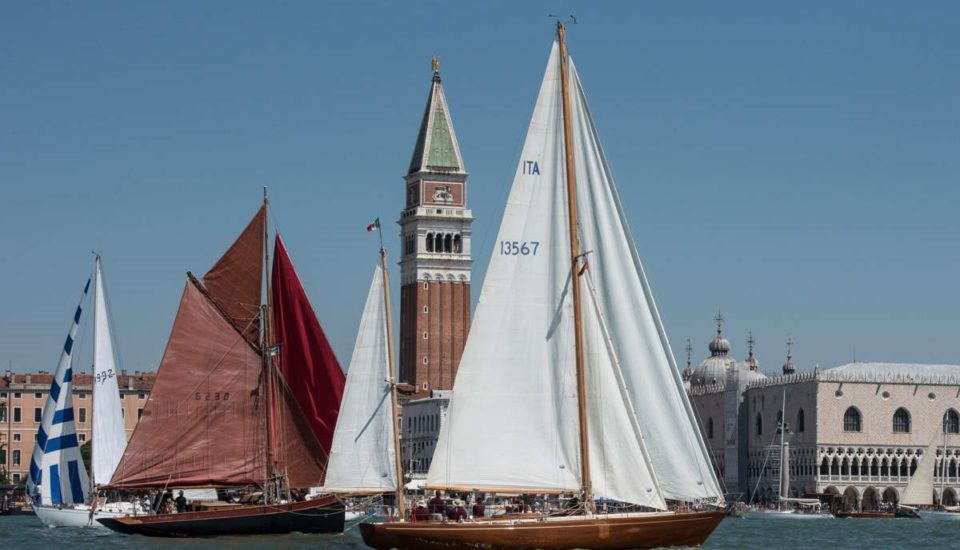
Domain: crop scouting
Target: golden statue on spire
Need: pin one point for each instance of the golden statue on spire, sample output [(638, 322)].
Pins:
[(436, 65)]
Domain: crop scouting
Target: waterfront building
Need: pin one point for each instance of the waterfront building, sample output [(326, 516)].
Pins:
[(422, 419), (22, 396), (856, 430)]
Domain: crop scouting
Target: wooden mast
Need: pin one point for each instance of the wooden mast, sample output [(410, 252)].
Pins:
[(265, 355), (586, 485), (398, 463)]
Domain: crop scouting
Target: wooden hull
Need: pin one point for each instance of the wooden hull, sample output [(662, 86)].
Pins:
[(322, 515), (651, 530)]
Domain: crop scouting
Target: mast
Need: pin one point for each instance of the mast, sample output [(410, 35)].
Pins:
[(586, 485), (784, 472), (265, 357), (398, 463), (93, 381), (943, 459)]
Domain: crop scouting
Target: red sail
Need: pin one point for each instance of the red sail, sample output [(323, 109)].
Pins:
[(234, 281), (306, 359), (203, 424)]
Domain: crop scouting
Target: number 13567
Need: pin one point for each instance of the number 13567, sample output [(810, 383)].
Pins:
[(519, 248)]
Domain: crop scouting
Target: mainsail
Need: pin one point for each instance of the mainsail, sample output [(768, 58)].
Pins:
[(362, 456), (919, 491), (305, 358), (109, 436), (519, 358), (203, 423), (56, 465)]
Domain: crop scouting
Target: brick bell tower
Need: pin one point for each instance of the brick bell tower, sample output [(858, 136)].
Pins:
[(435, 261)]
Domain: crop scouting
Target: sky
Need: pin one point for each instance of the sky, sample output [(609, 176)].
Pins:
[(794, 165)]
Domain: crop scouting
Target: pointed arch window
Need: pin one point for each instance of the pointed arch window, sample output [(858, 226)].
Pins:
[(901, 421), (759, 424), (800, 421), (951, 422), (852, 420)]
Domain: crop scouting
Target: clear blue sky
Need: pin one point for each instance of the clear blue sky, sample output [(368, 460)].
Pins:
[(793, 164)]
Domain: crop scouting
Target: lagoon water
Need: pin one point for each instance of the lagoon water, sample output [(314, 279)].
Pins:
[(26, 533)]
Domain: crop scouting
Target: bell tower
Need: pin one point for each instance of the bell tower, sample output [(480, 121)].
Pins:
[(435, 261)]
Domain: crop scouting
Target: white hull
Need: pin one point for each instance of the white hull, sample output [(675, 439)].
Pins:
[(933, 515), (73, 517), (786, 514)]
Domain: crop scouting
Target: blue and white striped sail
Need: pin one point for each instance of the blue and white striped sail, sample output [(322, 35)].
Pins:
[(56, 465)]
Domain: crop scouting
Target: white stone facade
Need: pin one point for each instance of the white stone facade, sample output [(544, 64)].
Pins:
[(857, 430)]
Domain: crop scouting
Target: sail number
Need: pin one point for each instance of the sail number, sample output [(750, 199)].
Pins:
[(519, 248), (105, 375), (212, 396)]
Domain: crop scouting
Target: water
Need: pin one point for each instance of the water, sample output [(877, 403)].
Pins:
[(26, 533)]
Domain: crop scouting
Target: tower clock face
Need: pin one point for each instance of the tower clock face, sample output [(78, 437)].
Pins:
[(413, 194)]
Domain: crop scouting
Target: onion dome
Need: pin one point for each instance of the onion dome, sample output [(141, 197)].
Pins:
[(752, 362), (788, 367)]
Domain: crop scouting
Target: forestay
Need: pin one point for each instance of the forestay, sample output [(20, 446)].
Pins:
[(362, 455), (109, 435), (513, 421), (676, 450)]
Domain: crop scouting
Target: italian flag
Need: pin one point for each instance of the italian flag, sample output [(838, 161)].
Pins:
[(374, 225)]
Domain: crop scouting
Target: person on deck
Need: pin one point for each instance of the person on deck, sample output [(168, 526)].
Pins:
[(458, 513), (479, 508), (421, 513), (437, 504), (181, 503)]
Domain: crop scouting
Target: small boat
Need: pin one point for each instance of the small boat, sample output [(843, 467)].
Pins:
[(572, 357), (789, 508), (919, 491), (246, 397), (866, 514), (67, 501), (364, 461)]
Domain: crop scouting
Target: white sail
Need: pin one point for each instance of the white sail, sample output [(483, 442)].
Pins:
[(362, 454), (919, 491), (677, 451), (109, 434), (513, 421), (56, 465)]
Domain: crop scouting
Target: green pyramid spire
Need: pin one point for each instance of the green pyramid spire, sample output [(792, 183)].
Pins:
[(436, 147)]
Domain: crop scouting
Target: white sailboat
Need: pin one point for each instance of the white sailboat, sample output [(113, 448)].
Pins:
[(363, 458), (108, 434), (787, 507), (919, 491), (555, 394)]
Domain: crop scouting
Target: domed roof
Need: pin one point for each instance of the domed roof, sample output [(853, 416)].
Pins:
[(719, 345), (713, 370)]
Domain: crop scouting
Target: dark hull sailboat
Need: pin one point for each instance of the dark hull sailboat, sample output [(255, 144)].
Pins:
[(322, 515), (652, 530), (246, 397)]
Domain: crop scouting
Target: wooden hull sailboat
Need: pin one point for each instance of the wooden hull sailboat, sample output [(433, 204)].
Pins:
[(638, 530), (548, 322), (322, 515), (238, 407)]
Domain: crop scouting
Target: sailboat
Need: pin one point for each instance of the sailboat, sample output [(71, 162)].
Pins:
[(108, 437), (567, 348), (787, 507), (919, 491), (363, 457), (246, 398)]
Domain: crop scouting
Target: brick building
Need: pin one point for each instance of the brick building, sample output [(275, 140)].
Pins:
[(22, 396), (435, 261)]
